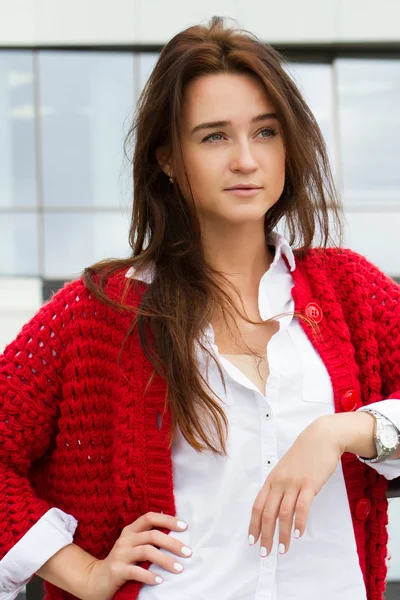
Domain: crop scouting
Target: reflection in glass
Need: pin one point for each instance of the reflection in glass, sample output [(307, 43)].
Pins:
[(369, 99), (147, 61), (316, 85), (17, 152), (18, 244), (376, 236), (87, 101), (74, 241)]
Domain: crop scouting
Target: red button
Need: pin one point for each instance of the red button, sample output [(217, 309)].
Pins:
[(350, 400), (363, 508), (314, 312)]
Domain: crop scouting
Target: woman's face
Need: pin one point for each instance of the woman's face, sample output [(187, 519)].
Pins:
[(246, 149)]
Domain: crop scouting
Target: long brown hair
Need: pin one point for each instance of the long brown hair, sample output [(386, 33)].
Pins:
[(185, 291)]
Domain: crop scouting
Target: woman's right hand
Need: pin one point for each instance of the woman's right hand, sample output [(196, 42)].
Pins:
[(136, 543)]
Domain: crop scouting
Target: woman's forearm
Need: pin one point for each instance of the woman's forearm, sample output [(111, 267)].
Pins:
[(68, 569)]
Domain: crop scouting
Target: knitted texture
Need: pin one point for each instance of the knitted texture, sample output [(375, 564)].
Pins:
[(79, 431)]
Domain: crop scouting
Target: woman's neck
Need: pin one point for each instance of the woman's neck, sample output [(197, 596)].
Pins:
[(243, 258)]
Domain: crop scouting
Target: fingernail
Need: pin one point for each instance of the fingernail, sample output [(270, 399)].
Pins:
[(282, 549), (159, 579), (263, 552), (186, 551), (178, 567), (182, 524), (296, 533), (251, 540)]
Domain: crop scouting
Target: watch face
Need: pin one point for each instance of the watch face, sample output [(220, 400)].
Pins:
[(389, 437)]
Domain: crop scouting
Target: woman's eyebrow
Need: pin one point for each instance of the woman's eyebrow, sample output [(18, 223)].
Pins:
[(213, 124)]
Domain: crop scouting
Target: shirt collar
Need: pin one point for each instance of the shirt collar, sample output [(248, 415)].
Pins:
[(282, 249), (280, 243)]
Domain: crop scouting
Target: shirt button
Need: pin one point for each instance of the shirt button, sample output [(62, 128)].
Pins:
[(363, 508), (314, 312), (267, 562), (350, 400)]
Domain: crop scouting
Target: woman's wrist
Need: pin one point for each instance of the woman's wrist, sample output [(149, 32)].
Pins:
[(354, 432), (69, 569)]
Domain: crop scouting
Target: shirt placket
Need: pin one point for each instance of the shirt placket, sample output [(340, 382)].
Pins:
[(269, 446), (267, 404)]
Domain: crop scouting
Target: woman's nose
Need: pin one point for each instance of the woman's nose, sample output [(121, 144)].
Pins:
[(243, 158)]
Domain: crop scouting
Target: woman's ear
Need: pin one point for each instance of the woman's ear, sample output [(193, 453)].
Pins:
[(163, 159)]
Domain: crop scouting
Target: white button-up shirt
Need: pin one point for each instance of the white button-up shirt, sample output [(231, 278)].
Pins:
[(215, 495)]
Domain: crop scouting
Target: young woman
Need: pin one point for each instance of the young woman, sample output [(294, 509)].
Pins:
[(216, 416)]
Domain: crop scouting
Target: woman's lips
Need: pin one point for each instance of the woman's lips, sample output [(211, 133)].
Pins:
[(244, 192)]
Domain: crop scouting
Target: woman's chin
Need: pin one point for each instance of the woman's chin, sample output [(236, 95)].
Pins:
[(245, 212)]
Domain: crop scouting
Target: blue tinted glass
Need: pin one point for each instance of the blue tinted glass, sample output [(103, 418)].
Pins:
[(18, 244), (74, 241), (369, 100), (87, 99), (17, 152)]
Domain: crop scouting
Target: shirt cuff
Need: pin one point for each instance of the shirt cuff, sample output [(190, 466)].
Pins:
[(46, 537), (390, 409)]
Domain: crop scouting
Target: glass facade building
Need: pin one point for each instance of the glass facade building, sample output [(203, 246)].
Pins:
[(65, 183)]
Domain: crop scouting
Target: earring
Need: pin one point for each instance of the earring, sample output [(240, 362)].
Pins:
[(171, 179)]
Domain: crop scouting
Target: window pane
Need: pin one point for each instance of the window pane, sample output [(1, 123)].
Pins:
[(87, 101), (75, 241), (369, 99), (18, 244), (147, 61), (315, 83), (17, 159), (376, 236)]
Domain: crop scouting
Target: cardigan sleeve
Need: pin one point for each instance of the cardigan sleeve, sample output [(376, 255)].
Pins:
[(383, 295), (378, 296), (372, 299), (30, 386)]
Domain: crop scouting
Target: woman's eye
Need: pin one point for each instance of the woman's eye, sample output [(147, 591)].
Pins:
[(272, 133), (211, 135)]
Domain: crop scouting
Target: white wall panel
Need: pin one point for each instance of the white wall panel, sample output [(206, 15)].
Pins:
[(394, 540), (17, 22), (160, 20), (288, 21), (360, 20), (86, 22), (20, 293), (20, 299)]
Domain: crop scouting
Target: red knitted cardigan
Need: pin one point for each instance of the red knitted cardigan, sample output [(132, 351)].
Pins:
[(78, 434)]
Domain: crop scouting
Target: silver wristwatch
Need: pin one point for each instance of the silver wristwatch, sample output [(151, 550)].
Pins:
[(386, 438)]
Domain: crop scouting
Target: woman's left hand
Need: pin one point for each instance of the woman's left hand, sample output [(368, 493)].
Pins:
[(293, 484)]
